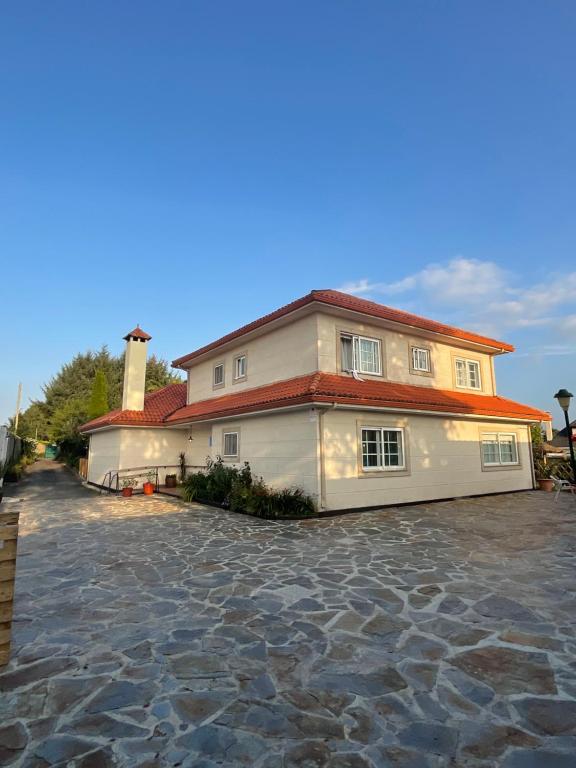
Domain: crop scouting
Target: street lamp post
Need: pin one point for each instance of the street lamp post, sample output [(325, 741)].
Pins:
[(564, 397)]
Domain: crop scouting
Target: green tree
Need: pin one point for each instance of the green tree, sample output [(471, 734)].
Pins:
[(67, 418), (68, 395), (33, 422), (65, 423), (537, 442), (98, 403)]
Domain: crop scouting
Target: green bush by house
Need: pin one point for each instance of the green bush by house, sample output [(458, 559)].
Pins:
[(236, 489)]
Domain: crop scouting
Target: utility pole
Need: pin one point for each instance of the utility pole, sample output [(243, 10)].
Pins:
[(17, 414)]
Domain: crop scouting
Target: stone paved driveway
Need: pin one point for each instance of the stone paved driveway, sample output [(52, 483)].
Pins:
[(153, 633)]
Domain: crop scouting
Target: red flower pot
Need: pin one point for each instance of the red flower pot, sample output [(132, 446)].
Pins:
[(148, 489), (127, 492), (546, 484)]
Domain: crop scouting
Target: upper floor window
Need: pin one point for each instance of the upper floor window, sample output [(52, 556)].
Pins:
[(240, 367), (218, 376), (467, 373), (499, 449), (230, 447), (360, 354), (421, 359), (382, 449)]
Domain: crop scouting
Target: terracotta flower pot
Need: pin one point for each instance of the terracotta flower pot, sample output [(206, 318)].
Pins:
[(148, 489), (546, 484), (127, 492)]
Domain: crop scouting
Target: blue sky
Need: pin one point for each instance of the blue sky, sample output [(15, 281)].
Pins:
[(193, 165)]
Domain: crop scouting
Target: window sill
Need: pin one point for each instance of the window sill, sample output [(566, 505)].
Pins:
[(500, 467), (366, 474), (470, 389), (363, 375)]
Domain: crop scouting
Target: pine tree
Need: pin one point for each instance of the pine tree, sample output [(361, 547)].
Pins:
[(98, 403), (68, 396)]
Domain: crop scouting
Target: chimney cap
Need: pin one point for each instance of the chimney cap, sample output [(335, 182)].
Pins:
[(137, 333)]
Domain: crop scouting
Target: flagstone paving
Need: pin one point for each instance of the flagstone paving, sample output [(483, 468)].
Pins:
[(153, 633)]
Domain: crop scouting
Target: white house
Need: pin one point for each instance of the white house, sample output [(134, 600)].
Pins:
[(360, 404)]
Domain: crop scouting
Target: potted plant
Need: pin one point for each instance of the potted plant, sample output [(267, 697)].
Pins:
[(182, 464), (171, 481), (543, 472), (148, 485), (127, 486)]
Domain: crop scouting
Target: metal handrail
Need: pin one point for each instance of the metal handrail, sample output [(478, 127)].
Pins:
[(113, 475)]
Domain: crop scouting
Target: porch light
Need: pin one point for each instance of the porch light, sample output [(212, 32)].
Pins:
[(564, 397)]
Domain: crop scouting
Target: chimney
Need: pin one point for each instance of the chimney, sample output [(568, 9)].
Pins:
[(135, 370)]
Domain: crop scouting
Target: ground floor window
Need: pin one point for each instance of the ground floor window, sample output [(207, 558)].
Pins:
[(230, 448), (499, 449), (382, 448)]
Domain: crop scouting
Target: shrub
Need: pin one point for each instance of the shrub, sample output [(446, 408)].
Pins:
[(236, 488), (543, 470), (293, 502), (261, 501), (195, 487), (215, 485)]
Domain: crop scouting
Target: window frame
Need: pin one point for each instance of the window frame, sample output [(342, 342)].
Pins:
[(496, 437), (467, 361), (215, 384), (421, 348), (356, 356), (231, 456), (382, 468), (237, 358)]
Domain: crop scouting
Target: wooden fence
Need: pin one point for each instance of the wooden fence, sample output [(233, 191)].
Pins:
[(8, 544)]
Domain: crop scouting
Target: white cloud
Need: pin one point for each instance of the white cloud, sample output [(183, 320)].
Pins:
[(549, 350), (459, 279), (482, 295), (358, 287)]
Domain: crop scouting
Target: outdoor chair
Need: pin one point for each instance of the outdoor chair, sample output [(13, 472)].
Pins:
[(562, 485)]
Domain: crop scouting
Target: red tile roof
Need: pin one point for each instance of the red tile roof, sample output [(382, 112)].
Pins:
[(138, 333), (167, 406), (157, 406), (340, 300), (344, 390)]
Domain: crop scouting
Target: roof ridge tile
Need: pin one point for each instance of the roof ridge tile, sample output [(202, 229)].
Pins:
[(331, 297)]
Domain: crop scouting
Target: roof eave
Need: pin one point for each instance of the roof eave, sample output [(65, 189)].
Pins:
[(492, 345), (325, 401)]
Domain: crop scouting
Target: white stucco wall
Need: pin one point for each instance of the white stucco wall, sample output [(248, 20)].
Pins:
[(103, 454), (283, 449), (444, 460), (288, 351), (396, 354), (131, 447), (141, 447)]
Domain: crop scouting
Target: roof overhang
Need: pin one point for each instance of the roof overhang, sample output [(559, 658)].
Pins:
[(324, 405), (311, 303)]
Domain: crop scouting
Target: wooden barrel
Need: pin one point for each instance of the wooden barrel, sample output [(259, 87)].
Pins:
[(8, 544)]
